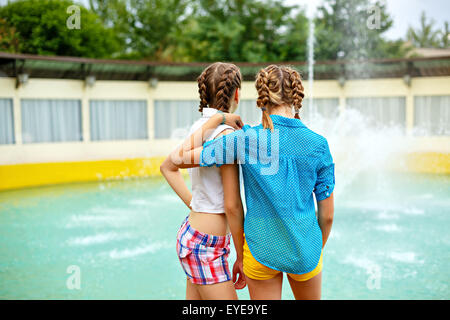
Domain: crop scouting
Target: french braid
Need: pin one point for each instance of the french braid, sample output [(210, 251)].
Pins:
[(216, 85)]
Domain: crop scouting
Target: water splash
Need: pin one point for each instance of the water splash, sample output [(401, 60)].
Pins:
[(139, 250), (358, 147), (311, 40), (406, 257), (392, 227), (100, 238)]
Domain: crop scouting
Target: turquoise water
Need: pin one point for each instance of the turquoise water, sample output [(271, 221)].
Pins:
[(390, 240)]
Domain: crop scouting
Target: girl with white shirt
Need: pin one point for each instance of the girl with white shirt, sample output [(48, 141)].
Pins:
[(203, 240)]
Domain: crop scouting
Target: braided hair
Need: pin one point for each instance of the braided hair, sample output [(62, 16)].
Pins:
[(278, 85), (216, 85), (293, 89)]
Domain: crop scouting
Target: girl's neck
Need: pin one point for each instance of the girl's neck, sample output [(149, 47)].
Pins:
[(281, 110)]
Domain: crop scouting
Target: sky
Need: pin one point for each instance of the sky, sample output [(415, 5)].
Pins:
[(405, 13)]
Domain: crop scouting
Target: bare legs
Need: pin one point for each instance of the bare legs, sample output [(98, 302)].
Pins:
[(258, 289), (307, 290), (191, 291), (218, 291), (271, 289), (265, 289)]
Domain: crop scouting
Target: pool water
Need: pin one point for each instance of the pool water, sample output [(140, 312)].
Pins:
[(390, 240)]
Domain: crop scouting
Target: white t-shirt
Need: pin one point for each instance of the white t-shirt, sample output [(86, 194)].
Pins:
[(207, 188)]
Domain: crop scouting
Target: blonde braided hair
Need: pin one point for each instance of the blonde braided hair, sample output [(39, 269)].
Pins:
[(277, 85)]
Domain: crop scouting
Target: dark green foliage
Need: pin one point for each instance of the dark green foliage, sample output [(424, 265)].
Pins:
[(201, 30), (41, 29)]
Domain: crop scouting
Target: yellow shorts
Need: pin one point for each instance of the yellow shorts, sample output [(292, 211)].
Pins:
[(257, 271)]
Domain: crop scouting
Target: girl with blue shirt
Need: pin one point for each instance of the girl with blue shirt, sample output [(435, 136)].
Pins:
[(284, 166)]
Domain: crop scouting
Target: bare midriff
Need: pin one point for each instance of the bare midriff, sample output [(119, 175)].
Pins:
[(210, 223)]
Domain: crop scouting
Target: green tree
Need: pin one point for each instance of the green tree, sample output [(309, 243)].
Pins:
[(295, 38), (9, 39), (156, 28), (445, 36), (241, 30), (425, 36), (202, 30), (342, 31), (41, 27), (205, 30), (116, 16)]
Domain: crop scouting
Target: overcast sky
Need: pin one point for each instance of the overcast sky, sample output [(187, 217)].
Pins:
[(403, 12), (406, 13)]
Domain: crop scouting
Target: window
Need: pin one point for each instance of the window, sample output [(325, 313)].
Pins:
[(325, 107), (249, 112), (381, 111), (118, 119), (51, 120), (252, 115), (432, 115), (6, 121), (173, 118)]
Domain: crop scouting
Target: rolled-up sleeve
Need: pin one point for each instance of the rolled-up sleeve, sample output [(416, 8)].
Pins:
[(325, 174)]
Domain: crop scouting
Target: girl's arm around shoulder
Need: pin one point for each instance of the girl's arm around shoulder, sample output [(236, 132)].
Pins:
[(184, 159), (187, 155)]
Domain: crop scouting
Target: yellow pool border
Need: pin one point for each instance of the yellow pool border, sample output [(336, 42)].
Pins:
[(428, 162), (16, 176)]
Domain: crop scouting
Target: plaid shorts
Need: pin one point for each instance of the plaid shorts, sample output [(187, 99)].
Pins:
[(203, 256)]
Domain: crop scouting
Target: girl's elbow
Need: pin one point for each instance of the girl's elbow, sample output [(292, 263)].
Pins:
[(165, 166), (162, 167), (329, 218), (233, 209)]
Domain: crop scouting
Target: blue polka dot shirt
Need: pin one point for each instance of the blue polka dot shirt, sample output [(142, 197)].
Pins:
[(282, 170)]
